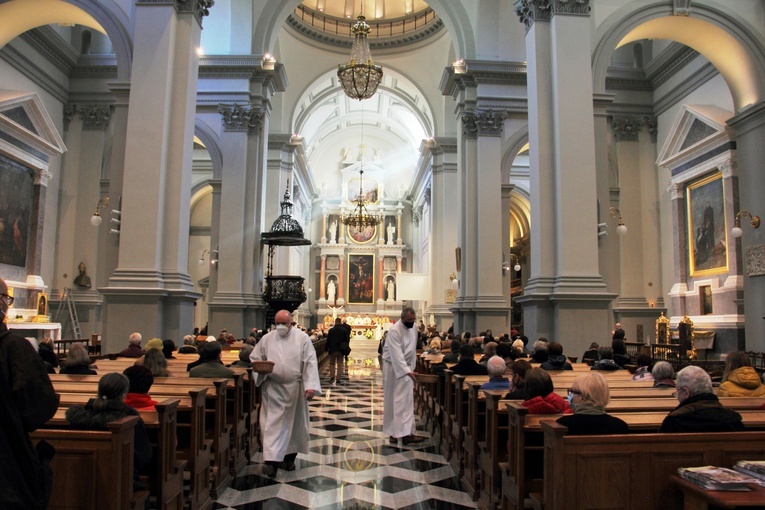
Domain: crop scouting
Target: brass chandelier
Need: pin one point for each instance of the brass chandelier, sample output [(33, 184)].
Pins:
[(359, 218), (360, 77)]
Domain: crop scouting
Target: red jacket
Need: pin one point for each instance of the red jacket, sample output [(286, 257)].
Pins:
[(140, 401), (551, 404)]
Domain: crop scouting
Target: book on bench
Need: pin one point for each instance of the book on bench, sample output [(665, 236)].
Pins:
[(716, 478), (753, 468)]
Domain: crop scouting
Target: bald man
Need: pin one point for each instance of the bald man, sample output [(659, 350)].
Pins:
[(27, 400), (286, 391)]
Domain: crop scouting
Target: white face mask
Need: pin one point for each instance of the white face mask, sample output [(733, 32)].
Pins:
[(282, 330)]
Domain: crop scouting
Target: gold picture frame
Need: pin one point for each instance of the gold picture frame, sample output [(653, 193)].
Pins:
[(662, 330), (361, 279), (707, 232), (42, 308)]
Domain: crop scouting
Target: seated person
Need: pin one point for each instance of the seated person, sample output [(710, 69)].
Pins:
[(454, 355), (555, 358), (434, 347), (518, 348), (606, 361), (244, 357), (467, 364), (643, 372), (189, 345), (156, 362), (201, 351), (588, 397), (663, 375), (591, 353), (77, 361), (620, 351), (140, 379), (740, 379), (133, 350), (699, 409), (110, 406), (168, 346), (542, 398), (154, 343), (489, 350), (540, 353), (45, 349), (213, 366), (496, 368), (518, 370), (506, 352)]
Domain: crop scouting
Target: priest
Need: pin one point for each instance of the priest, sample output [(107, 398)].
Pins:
[(399, 357), (286, 391)]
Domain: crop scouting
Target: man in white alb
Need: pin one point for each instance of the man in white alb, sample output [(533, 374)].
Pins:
[(286, 391), (399, 357)]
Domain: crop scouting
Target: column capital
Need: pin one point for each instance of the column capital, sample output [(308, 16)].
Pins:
[(42, 176), (242, 118), (417, 215), (652, 125), (626, 128), (69, 110), (676, 191), (578, 7), (199, 8), (95, 117), (530, 11), (728, 167), (483, 123)]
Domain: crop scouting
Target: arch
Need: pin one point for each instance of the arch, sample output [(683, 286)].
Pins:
[(211, 141), (730, 44), (520, 211), (513, 145), (21, 16), (452, 12)]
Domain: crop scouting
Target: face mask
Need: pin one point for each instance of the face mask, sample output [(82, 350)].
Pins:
[(409, 324), (282, 330)]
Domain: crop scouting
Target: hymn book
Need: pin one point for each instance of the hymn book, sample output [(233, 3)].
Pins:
[(716, 478)]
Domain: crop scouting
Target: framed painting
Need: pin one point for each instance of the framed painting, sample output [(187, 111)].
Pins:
[(707, 235), (361, 279), (362, 236), (16, 187), (369, 191)]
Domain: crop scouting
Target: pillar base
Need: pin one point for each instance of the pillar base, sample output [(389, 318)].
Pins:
[(476, 314)]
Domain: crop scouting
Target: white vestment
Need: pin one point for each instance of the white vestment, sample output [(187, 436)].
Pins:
[(399, 358), (284, 409)]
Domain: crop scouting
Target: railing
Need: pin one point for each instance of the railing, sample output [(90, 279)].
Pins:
[(386, 28)]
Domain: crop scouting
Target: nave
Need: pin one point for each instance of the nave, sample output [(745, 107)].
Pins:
[(351, 464)]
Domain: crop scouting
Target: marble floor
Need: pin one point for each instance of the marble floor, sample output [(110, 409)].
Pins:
[(351, 465)]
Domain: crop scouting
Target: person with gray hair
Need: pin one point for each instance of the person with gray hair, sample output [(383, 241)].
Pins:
[(663, 375), (496, 368), (133, 350), (244, 357), (399, 356), (189, 345), (699, 409)]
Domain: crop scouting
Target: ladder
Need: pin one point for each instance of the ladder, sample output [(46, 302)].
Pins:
[(74, 321)]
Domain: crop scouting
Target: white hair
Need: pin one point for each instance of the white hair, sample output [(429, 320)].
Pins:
[(496, 366), (135, 338)]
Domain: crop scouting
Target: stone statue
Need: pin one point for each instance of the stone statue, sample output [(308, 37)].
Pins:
[(391, 289), (331, 289), (391, 230), (82, 280), (333, 232)]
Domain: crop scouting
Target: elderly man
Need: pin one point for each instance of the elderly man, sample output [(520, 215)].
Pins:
[(27, 400), (399, 357), (133, 350), (212, 366), (497, 380), (286, 391), (699, 409)]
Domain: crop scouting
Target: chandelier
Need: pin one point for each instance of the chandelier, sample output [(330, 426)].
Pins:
[(360, 76), (359, 218)]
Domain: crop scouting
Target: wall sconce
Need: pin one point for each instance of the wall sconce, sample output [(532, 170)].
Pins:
[(516, 267), (453, 277), (96, 219), (621, 229), (213, 257), (736, 230)]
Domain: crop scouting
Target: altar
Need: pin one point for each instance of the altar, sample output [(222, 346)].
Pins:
[(54, 328)]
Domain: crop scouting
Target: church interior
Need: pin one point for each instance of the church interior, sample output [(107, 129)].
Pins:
[(151, 151)]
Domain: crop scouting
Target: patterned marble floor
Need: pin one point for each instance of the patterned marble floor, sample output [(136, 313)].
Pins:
[(351, 465)]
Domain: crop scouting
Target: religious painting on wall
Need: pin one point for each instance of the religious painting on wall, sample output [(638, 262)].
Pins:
[(363, 235), (369, 191), (707, 235), (16, 190), (361, 279)]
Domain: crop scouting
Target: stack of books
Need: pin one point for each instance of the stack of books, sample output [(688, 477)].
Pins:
[(753, 468), (716, 478)]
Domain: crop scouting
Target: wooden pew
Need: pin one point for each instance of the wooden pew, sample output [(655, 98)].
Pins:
[(525, 435), (637, 468), (93, 469)]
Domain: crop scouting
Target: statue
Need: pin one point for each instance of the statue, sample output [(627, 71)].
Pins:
[(391, 289), (346, 153), (333, 232), (82, 280), (391, 230), (331, 289)]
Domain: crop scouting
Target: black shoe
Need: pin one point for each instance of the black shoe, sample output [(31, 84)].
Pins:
[(413, 439), (393, 440), (270, 469), (289, 466)]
